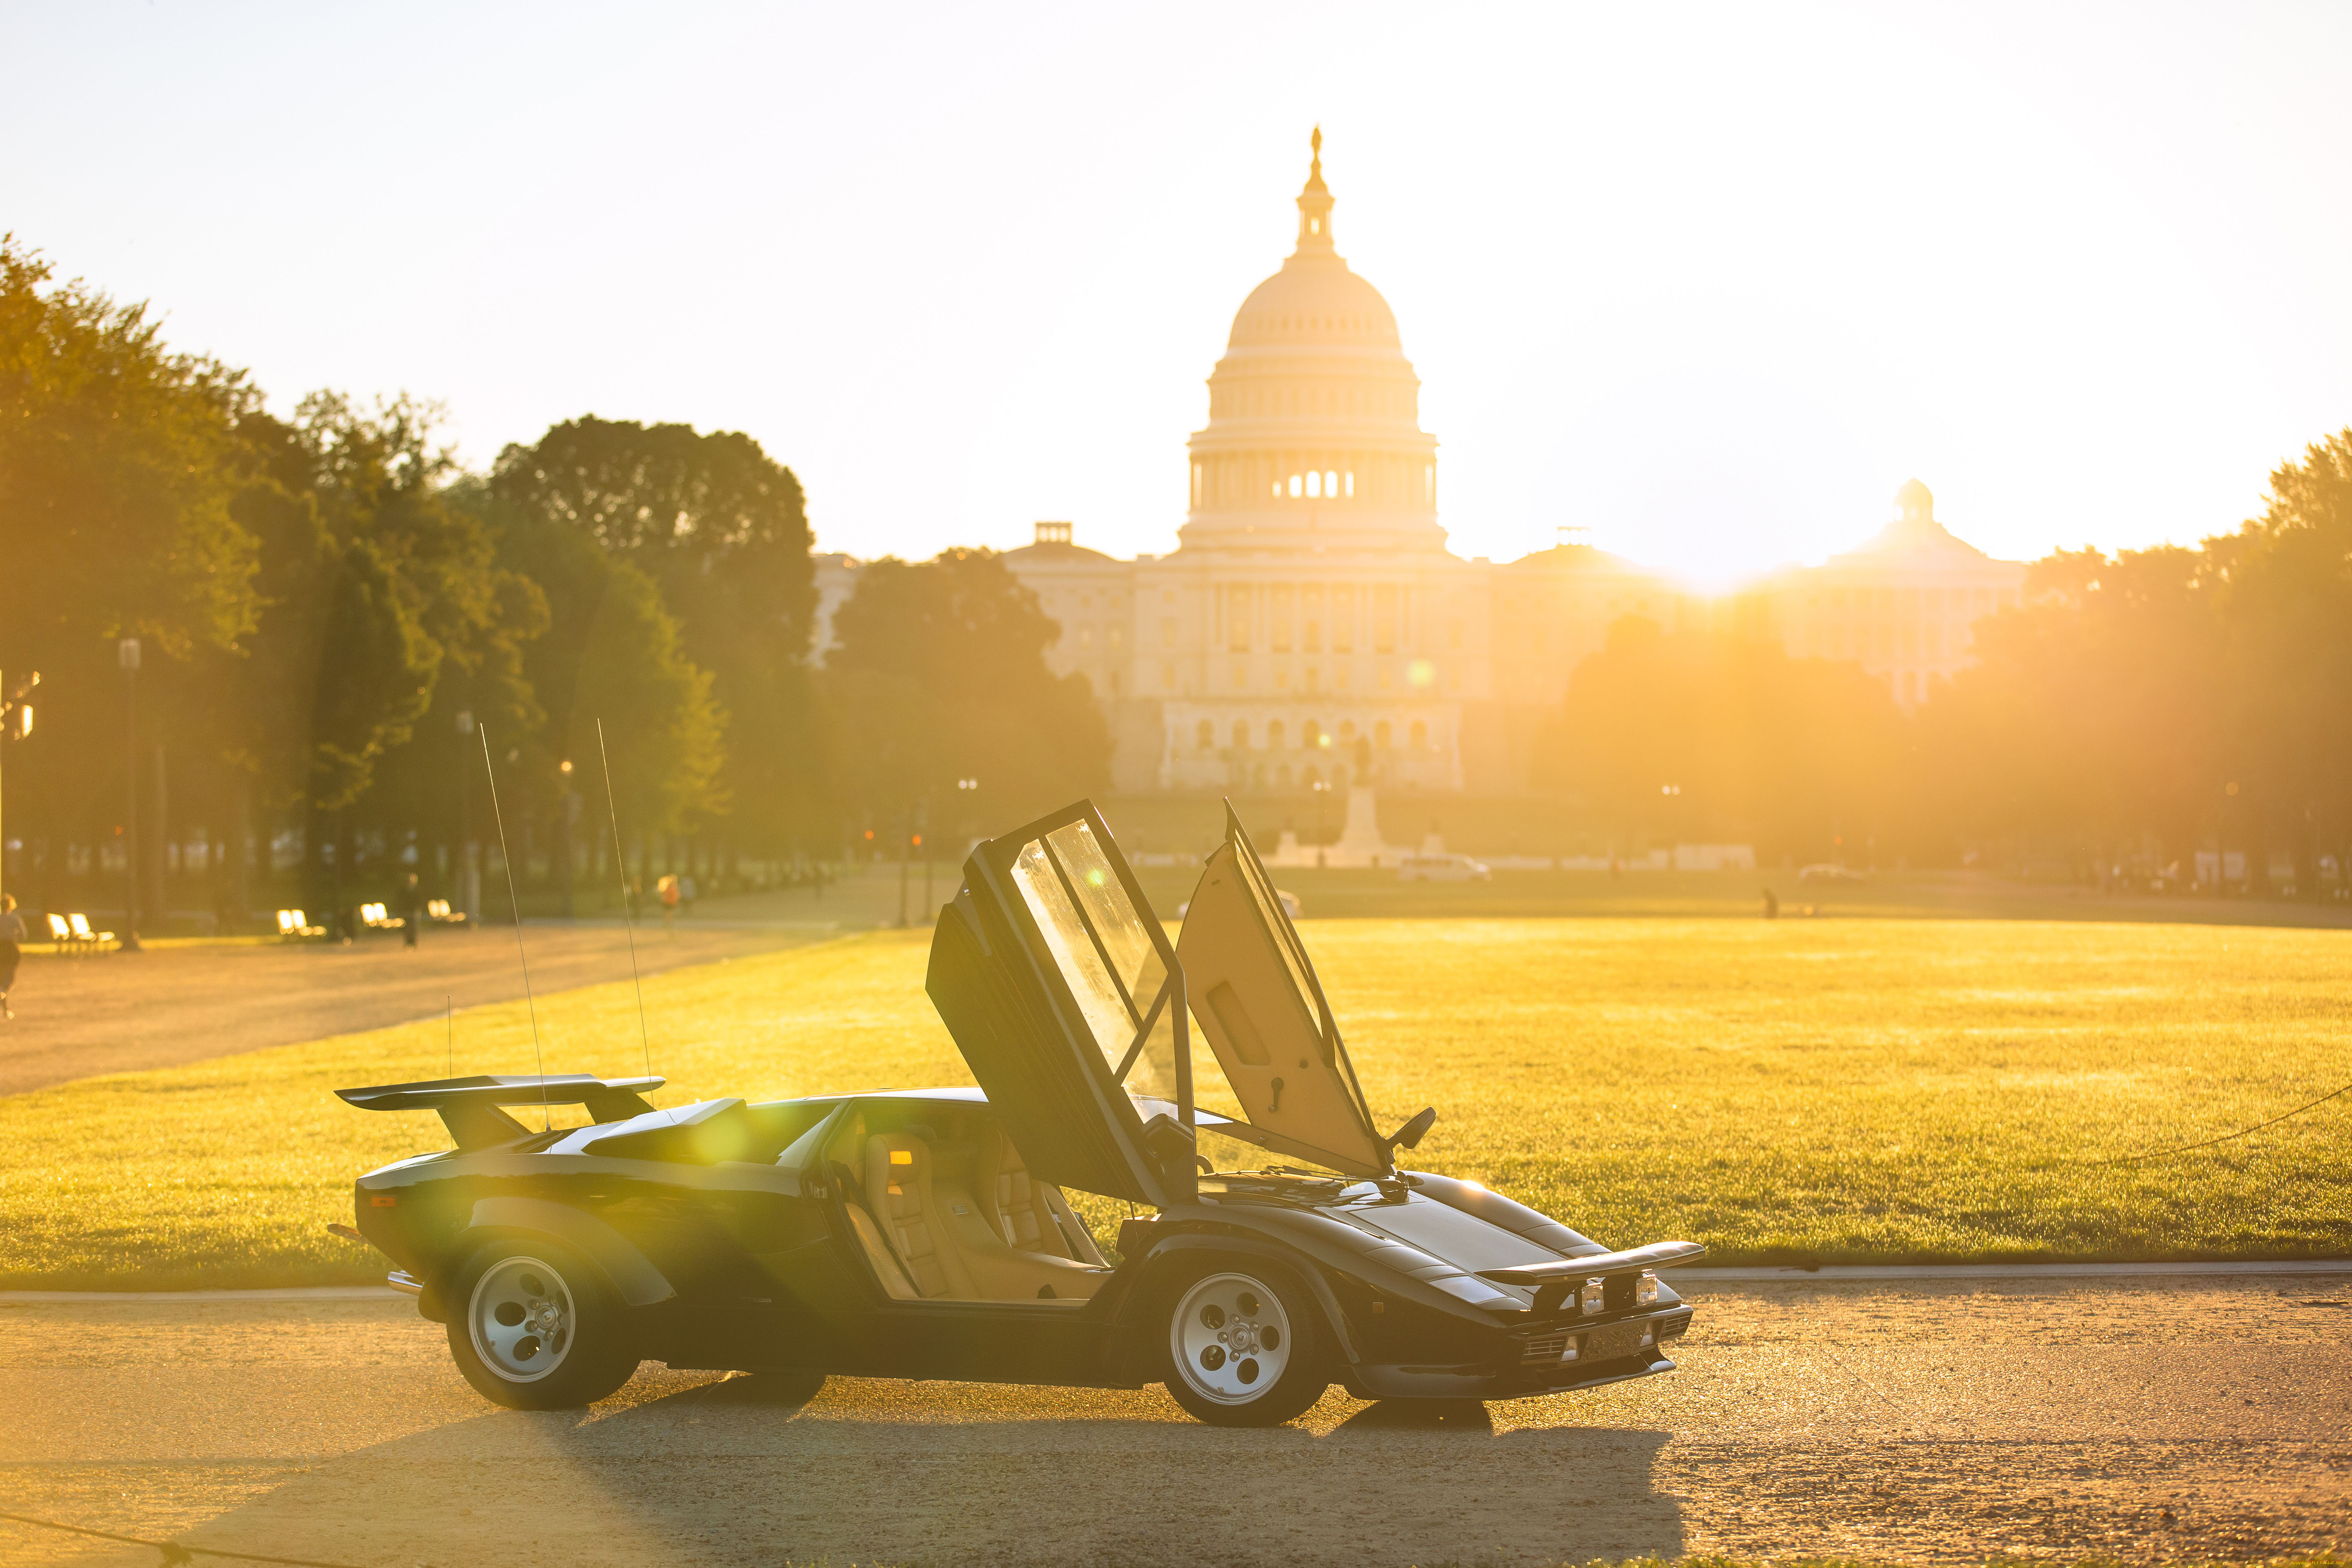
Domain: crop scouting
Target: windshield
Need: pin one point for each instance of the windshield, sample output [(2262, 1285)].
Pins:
[(1099, 938)]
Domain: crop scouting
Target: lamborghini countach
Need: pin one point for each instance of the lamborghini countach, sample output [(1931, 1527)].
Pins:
[(1264, 1254)]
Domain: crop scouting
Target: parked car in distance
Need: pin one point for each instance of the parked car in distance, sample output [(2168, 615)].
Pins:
[(1443, 868), (1826, 871)]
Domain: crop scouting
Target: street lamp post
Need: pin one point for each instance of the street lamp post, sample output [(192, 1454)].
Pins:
[(126, 654)]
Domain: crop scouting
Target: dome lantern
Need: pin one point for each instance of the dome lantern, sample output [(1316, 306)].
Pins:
[(1315, 200)]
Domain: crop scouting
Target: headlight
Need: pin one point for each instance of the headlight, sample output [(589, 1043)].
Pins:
[(1592, 1293), (1645, 1293)]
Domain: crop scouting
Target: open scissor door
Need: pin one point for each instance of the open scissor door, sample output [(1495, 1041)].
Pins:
[(1257, 998), (1065, 995)]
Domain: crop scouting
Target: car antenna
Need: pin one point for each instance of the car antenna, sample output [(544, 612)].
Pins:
[(621, 865), (546, 1116)]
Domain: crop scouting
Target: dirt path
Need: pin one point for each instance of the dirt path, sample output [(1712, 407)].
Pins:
[(126, 1012), (2141, 1419)]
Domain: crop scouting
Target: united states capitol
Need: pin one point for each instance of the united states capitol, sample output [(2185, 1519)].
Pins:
[(1312, 627)]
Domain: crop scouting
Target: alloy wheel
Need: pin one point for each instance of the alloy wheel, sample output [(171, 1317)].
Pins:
[(521, 1319), (1229, 1338)]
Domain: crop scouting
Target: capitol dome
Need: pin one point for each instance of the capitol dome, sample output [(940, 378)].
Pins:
[(1314, 411)]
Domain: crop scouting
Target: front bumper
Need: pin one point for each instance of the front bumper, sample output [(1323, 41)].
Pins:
[(1531, 1361)]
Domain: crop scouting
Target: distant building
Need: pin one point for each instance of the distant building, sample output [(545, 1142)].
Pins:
[(1902, 605), (1312, 627)]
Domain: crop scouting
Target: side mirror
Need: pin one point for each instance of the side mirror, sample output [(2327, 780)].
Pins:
[(1410, 1135)]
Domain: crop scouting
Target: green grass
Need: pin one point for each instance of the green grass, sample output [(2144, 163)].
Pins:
[(1839, 1091)]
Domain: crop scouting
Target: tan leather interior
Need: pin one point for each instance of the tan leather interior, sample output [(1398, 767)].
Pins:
[(899, 1191), (1032, 1216), (932, 1226)]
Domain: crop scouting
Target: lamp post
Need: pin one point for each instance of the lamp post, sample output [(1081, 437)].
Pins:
[(126, 654)]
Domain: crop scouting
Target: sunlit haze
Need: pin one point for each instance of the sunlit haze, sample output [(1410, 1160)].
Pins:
[(1706, 283)]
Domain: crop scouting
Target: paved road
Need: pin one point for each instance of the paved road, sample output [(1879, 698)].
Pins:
[(125, 1012), (2141, 1419)]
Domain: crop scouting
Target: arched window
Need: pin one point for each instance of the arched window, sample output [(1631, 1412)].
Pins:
[(1282, 776), (1314, 484), (1296, 483), (1349, 480), (1241, 737), (1347, 732), (1208, 736), (1310, 735), (1274, 736), (1420, 733), (1330, 483), (1381, 734)]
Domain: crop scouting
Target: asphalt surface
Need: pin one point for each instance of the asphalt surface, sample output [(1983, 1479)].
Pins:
[(126, 1012), (2136, 1418)]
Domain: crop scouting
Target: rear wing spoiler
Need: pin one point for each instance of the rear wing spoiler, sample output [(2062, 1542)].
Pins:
[(1555, 1282), (469, 1107)]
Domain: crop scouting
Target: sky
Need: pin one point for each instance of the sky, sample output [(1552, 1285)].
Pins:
[(1706, 283)]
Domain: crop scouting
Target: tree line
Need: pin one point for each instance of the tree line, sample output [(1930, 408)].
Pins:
[(2136, 710), (335, 623)]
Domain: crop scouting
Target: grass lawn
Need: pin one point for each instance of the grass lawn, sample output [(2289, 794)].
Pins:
[(1838, 1090)]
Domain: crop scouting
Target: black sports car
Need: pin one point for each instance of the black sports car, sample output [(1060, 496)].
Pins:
[(926, 1233)]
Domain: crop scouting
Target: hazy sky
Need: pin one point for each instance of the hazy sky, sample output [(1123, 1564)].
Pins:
[(1708, 282)]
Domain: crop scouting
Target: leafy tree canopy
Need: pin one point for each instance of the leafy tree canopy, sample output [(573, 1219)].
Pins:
[(939, 674)]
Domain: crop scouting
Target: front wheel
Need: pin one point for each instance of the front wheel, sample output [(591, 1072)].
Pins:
[(1244, 1349), (534, 1327)]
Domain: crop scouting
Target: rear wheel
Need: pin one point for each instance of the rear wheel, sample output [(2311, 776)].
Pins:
[(1244, 1346), (534, 1327)]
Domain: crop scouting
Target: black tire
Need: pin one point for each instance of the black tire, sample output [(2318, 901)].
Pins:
[(1242, 1342), (534, 1326)]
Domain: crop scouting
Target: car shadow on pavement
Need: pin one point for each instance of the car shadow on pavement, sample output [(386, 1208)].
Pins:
[(768, 1471)]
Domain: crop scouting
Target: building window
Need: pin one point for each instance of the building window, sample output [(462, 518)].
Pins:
[(1237, 619), (1349, 480), (1279, 606), (1240, 677), (1380, 735), (1311, 679), (1274, 736), (1330, 483), (1420, 736), (1347, 732), (1314, 485), (1208, 736), (1168, 678), (1241, 737), (1296, 484), (1343, 620), (1384, 619)]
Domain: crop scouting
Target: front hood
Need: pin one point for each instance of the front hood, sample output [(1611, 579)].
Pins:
[(1419, 1237)]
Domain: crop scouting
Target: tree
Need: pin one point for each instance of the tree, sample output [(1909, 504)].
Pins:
[(118, 464), (723, 529), (614, 652), (939, 674), (1710, 732)]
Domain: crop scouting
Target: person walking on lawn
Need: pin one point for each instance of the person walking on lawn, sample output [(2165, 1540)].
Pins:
[(11, 947), (412, 911)]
